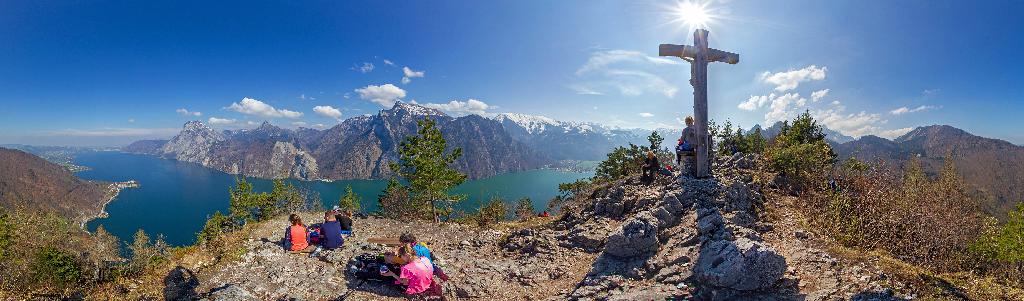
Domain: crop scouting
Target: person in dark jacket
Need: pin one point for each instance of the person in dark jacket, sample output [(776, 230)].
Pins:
[(330, 232), (650, 168)]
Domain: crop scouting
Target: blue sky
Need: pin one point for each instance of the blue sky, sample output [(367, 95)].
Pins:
[(110, 72)]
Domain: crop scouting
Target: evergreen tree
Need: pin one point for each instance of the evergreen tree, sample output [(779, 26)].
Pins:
[(424, 163), (350, 200), (655, 140)]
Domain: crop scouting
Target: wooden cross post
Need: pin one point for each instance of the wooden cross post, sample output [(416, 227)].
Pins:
[(699, 55)]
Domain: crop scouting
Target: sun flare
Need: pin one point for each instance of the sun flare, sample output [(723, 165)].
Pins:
[(694, 15)]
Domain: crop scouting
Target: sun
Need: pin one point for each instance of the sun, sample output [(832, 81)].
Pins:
[(694, 15)]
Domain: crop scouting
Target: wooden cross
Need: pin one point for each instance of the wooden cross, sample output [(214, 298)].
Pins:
[(699, 55)]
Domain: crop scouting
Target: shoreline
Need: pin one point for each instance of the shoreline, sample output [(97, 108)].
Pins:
[(113, 189)]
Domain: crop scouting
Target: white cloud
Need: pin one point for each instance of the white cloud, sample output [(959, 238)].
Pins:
[(784, 107), (185, 112), (304, 97), (756, 101), (389, 62), (328, 111), (221, 121), (904, 110), (251, 106), (789, 80), (385, 95), (299, 123), (365, 68), (818, 95), (835, 102), (409, 74), (631, 73), (646, 115), (584, 90), (858, 124), (131, 120), (602, 59), (320, 126), (455, 107)]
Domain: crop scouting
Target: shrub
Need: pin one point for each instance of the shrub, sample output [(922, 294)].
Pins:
[(396, 203), (800, 153), (350, 200), (493, 212), (1003, 247), (6, 234), (145, 255), (215, 225), (927, 222), (524, 208), (57, 268)]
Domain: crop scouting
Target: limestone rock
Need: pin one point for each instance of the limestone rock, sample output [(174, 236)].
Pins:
[(742, 264), (637, 236), (231, 293)]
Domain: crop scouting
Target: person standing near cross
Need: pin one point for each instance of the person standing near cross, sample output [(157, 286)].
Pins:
[(699, 55)]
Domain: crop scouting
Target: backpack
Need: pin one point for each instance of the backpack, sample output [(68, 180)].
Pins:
[(367, 266), (314, 235), (287, 243)]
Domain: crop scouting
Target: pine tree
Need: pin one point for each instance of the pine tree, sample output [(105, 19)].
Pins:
[(655, 140), (424, 163), (350, 200)]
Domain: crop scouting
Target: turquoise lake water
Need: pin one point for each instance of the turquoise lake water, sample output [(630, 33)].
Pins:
[(175, 197)]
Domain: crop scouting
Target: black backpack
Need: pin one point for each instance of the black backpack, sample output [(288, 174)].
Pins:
[(367, 266)]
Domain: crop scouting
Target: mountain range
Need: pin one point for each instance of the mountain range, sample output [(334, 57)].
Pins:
[(361, 147), (993, 168)]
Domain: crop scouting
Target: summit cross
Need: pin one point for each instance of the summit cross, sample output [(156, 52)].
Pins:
[(699, 55)]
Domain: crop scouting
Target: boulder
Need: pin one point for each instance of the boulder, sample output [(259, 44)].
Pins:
[(230, 292), (588, 236), (609, 207), (743, 264), (709, 221), (637, 236)]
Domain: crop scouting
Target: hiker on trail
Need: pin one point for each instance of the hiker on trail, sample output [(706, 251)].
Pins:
[(330, 232), (296, 236), (421, 249), (417, 274), (650, 168)]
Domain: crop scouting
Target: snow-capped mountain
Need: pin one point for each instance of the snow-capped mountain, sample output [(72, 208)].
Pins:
[(563, 140)]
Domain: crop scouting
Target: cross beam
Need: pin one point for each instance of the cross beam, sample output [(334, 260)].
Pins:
[(699, 55)]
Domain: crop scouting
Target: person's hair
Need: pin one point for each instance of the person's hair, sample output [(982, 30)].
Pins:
[(650, 154), (295, 219), (329, 214), (406, 250), (348, 213), (407, 238), (689, 120)]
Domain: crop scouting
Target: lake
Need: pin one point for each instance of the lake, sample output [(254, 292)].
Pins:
[(175, 198)]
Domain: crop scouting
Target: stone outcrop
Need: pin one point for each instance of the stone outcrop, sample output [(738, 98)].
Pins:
[(743, 264), (637, 236)]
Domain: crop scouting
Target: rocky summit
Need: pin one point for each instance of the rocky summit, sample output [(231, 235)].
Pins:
[(681, 239)]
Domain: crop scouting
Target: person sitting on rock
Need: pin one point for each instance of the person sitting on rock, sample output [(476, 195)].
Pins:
[(296, 236), (421, 249), (330, 232), (651, 168), (687, 140), (417, 274), (345, 218)]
